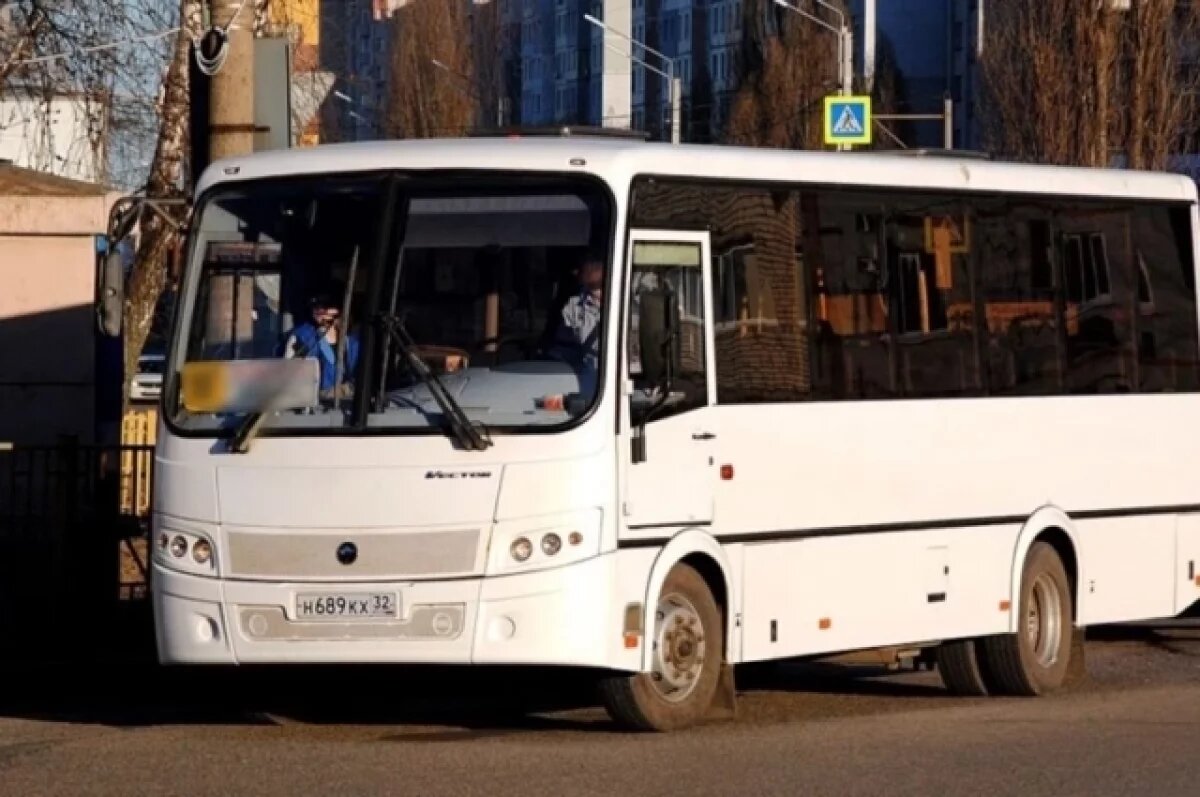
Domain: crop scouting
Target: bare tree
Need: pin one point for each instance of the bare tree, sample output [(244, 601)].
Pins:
[(18, 38), (1078, 83), (149, 274), (425, 100), (1049, 68), (496, 76), (887, 97), (109, 56), (787, 65), (1157, 89)]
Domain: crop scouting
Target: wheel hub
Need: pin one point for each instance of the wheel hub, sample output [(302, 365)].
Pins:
[(1043, 621), (679, 648)]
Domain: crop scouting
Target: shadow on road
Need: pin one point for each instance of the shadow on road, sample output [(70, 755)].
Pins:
[(439, 703), (144, 695), (834, 679), (435, 704)]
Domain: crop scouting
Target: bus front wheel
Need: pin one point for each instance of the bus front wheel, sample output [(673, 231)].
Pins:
[(687, 645)]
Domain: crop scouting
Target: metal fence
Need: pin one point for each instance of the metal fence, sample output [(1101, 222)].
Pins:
[(74, 529)]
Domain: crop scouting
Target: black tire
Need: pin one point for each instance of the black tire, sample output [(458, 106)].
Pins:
[(958, 665), (1035, 660), (641, 701)]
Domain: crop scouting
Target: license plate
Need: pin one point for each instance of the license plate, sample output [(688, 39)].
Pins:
[(347, 606)]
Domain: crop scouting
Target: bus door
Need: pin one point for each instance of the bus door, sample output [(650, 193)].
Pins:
[(669, 451)]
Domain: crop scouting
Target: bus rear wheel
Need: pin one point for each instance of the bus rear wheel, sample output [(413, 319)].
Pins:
[(687, 647), (958, 665), (1035, 660)]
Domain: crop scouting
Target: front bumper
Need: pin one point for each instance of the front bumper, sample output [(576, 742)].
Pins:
[(561, 616)]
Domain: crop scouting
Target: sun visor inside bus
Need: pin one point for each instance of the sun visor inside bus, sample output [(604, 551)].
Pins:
[(561, 220)]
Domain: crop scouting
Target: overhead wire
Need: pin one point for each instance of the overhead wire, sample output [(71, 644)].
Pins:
[(95, 48)]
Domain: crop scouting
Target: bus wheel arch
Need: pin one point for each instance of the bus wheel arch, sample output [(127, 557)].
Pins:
[(703, 553), (1043, 649), (1053, 526), (685, 676)]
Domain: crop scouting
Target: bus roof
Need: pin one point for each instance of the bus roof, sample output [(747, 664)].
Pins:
[(619, 159)]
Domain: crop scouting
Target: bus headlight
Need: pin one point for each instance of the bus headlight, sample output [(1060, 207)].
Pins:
[(552, 543), (202, 552), (187, 551), (537, 543), (521, 549)]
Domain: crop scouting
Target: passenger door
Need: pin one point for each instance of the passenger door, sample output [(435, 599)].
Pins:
[(670, 471)]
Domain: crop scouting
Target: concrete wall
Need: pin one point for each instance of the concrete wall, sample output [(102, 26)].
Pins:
[(47, 321)]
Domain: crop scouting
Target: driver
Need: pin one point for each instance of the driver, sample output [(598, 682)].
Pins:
[(577, 340)]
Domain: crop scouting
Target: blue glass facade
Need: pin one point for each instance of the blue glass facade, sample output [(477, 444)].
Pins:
[(555, 60), (932, 42)]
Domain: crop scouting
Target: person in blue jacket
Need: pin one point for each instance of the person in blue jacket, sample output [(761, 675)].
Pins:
[(318, 338)]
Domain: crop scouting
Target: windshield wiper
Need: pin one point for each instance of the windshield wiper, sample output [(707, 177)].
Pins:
[(245, 432), (471, 436)]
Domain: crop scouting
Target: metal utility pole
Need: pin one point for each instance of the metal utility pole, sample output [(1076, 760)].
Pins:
[(845, 36), (675, 84), (228, 53), (948, 121), (676, 100), (231, 103)]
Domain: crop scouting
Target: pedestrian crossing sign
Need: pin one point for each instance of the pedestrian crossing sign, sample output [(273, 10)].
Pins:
[(847, 120)]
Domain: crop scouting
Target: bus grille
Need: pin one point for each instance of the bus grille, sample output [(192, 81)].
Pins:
[(380, 554)]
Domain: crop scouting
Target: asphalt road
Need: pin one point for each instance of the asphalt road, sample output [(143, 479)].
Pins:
[(1133, 727)]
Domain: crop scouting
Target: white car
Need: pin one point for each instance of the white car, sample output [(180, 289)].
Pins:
[(147, 383)]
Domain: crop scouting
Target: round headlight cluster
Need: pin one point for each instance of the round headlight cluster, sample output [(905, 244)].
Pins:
[(179, 545), (550, 545)]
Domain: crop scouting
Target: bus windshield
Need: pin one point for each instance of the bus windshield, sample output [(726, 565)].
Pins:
[(388, 304)]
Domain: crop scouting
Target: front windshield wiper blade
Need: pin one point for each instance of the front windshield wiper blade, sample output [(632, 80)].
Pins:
[(245, 432), (471, 436)]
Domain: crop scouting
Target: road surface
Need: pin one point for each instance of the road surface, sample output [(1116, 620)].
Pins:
[(1132, 728)]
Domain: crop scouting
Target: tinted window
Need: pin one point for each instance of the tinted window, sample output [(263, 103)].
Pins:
[(824, 293), (1021, 318), (931, 298), (1096, 257), (760, 299), (856, 352), (1165, 317)]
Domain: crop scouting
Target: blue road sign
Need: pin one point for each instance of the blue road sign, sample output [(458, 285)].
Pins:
[(847, 120)]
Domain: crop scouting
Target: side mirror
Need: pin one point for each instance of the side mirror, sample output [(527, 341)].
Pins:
[(658, 334), (658, 326), (111, 301)]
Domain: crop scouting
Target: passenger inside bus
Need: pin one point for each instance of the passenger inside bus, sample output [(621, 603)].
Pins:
[(318, 337)]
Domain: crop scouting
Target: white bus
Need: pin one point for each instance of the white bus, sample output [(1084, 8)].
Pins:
[(818, 402)]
